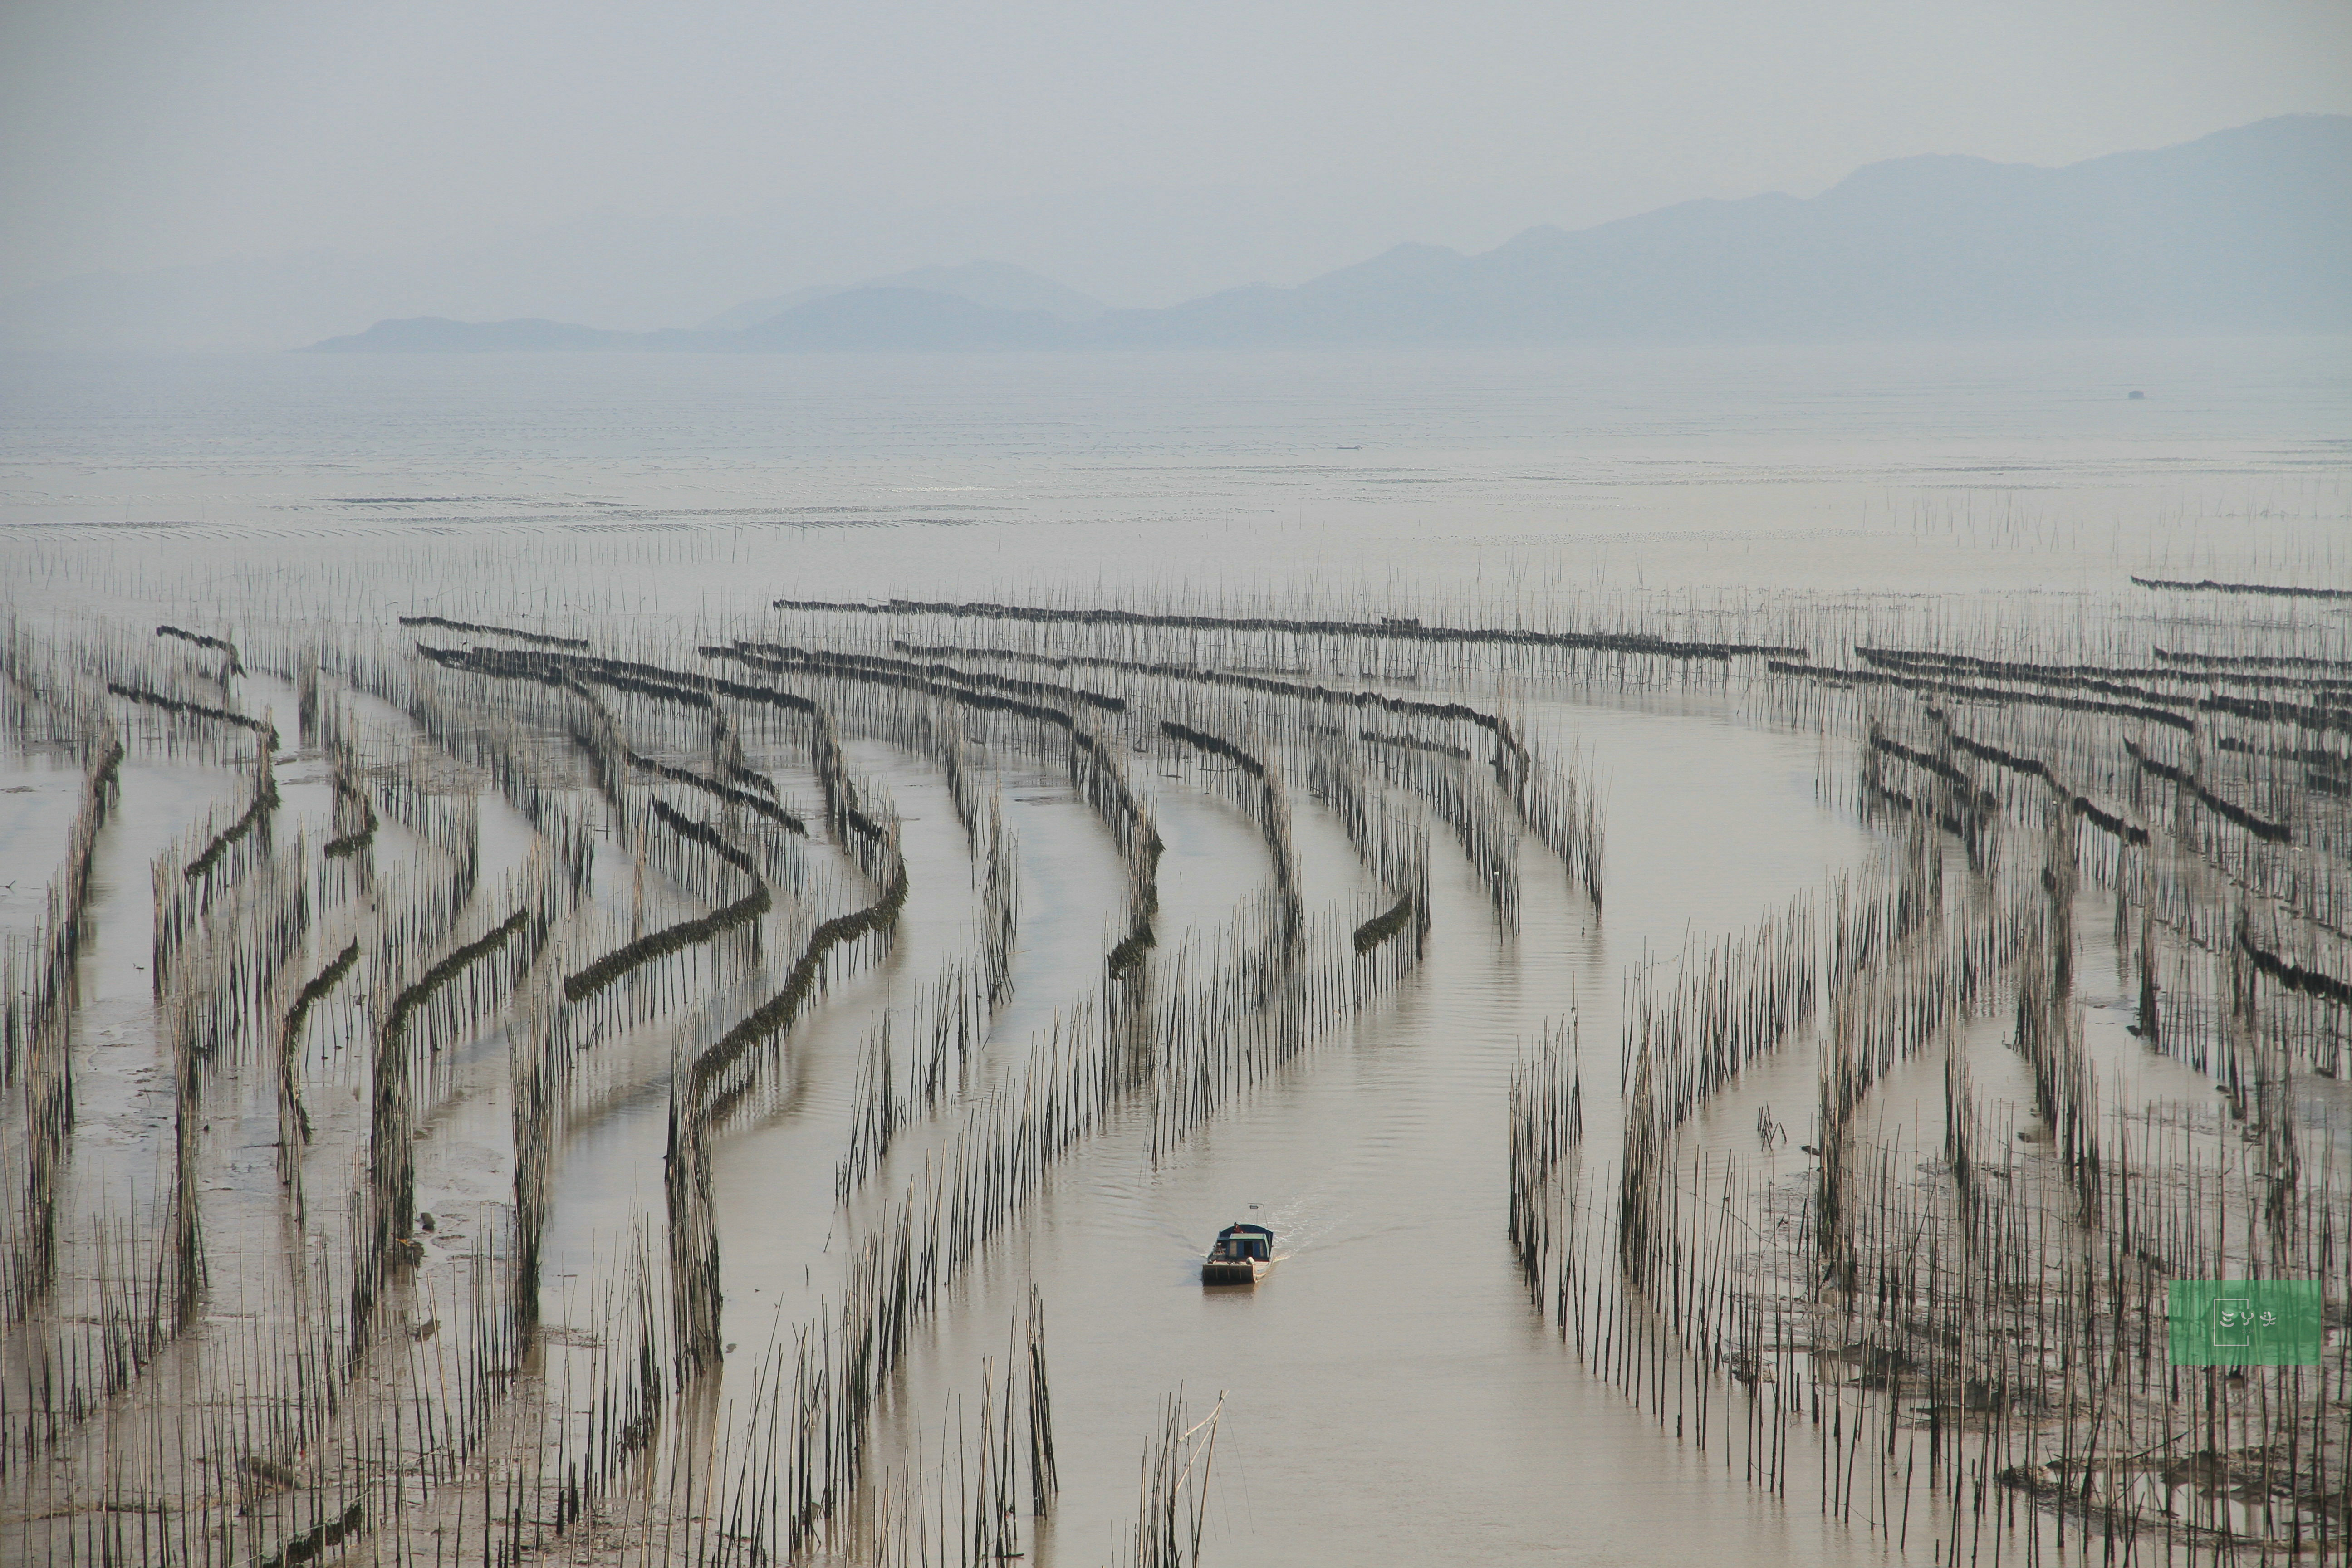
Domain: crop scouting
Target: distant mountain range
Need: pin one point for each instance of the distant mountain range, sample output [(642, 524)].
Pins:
[(2244, 231), (998, 285), (849, 318), (2247, 230)]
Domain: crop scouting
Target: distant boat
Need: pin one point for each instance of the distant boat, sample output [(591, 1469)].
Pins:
[(1243, 1255)]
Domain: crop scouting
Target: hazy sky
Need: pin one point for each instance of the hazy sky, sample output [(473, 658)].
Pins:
[(135, 136)]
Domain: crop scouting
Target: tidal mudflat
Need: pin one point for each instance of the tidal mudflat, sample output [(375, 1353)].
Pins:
[(640, 962)]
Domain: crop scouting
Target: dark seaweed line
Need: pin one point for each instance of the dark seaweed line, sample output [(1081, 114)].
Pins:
[(751, 778), (1917, 807), (317, 985), (665, 941), (1415, 743), (689, 687), (2325, 759), (986, 702), (710, 1099), (289, 1035), (1385, 926), (726, 792), (686, 933), (777, 1013), (1139, 940), (2294, 976), (2081, 806), (360, 837), (621, 680), (1983, 693), (1403, 631), (1409, 706), (265, 801), (2209, 586), (349, 843), (823, 660), (702, 833), (2270, 832), (157, 699), (2254, 661), (1513, 764), (542, 638), (2038, 675), (1214, 745), (2085, 677), (235, 666), (623, 675), (2295, 713), (404, 1005), (907, 677), (2029, 674), (1273, 815), (319, 1539), (698, 690), (1936, 765)]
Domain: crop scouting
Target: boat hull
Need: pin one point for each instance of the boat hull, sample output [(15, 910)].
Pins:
[(1236, 1271)]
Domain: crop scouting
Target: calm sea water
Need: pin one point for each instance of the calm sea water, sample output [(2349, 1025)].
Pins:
[(1155, 465)]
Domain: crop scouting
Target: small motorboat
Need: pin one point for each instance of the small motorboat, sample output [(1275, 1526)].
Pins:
[(1243, 1255)]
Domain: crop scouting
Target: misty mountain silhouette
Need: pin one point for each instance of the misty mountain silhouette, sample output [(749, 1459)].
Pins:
[(909, 319), (2247, 230), (999, 285), (901, 319), (438, 334)]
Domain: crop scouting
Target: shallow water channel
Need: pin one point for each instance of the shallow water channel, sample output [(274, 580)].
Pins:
[(1391, 1394)]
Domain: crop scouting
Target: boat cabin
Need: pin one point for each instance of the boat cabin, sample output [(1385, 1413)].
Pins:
[(1243, 1244)]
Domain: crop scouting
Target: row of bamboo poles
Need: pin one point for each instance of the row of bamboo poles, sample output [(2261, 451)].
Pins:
[(1967, 1343)]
